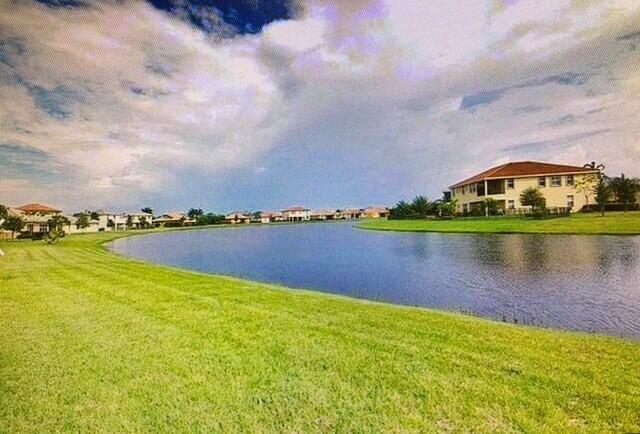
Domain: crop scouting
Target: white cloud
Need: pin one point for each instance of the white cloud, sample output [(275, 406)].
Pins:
[(151, 98)]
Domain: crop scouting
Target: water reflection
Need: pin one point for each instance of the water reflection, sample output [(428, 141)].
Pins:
[(580, 282)]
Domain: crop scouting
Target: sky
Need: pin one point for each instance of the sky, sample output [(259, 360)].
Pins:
[(249, 104)]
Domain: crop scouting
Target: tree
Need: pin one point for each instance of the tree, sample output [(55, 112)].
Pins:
[(625, 189), (4, 212), (534, 198), (586, 185), (447, 208), (210, 219), (147, 210), (129, 222), (57, 222), (94, 215), (489, 206), (143, 222), (602, 192), (82, 220), (13, 223), (421, 206), (402, 210), (194, 213)]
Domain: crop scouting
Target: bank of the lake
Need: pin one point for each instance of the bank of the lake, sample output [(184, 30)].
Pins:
[(613, 223), (90, 341)]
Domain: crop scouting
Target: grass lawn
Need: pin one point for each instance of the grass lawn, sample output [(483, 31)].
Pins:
[(618, 223), (92, 342)]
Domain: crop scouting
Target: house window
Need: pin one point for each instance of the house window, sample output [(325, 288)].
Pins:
[(542, 181), (511, 204), (465, 208), (569, 179), (556, 181), (510, 183), (570, 201)]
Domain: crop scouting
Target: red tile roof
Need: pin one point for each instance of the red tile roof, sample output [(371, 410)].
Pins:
[(523, 168), (37, 207)]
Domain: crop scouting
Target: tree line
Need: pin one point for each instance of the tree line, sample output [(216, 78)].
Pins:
[(422, 207)]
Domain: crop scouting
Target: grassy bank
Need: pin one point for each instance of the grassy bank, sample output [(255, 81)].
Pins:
[(612, 223), (91, 342)]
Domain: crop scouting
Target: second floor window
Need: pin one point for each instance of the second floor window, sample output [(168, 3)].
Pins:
[(556, 181), (510, 183), (542, 181), (569, 179)]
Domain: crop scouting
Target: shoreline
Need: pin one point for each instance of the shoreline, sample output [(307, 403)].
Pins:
[(613, 224)]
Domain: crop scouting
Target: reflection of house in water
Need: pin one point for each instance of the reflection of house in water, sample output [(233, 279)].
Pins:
[(536, 253)]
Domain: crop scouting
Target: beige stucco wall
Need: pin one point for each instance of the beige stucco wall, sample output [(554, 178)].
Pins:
[(555, 196)]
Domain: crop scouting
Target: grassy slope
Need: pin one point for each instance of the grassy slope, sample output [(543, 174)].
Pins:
[(93, 342), (612, 223)]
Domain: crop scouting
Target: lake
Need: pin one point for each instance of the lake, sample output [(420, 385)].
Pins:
[(589, 283)]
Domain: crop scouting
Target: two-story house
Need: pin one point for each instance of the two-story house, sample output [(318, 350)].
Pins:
[(504, 183)]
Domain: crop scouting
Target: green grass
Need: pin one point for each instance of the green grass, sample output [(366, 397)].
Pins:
[(92, 342), (612, 223)]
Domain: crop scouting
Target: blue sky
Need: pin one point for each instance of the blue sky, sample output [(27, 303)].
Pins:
[(244, 104)]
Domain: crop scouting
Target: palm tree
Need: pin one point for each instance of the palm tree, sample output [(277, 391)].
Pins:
[(421, 206), (601, 189), (195, 213), (400, 211), (625, 189)]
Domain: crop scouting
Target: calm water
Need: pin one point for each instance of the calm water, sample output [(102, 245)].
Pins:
[(587, 283)]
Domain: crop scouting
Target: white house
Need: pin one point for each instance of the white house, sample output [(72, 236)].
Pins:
[(271, 217), (237, 217), (323, 214), (296, 214)]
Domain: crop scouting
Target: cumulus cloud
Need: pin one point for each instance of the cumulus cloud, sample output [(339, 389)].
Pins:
[(135, 103), (124, 95)]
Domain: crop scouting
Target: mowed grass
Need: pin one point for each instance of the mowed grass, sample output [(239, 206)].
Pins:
[(92, 342), (618, 223)]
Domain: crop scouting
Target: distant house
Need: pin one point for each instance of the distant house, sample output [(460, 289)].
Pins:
[(173, 219), (296, 214), (323, 214), (111, 221), (238, 217), (72, 226), (349, 214), (506, 182), (139, 220), (271, 217), (373, 212), (35, 217)]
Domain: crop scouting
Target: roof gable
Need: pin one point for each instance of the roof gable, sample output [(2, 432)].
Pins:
[(37, 207)]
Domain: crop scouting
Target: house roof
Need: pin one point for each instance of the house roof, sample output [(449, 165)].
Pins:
[(323, 212), (296, 208), (375, 209), (238, 214), (37, 207), (523, 168), (171, 216), (270, 214)]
